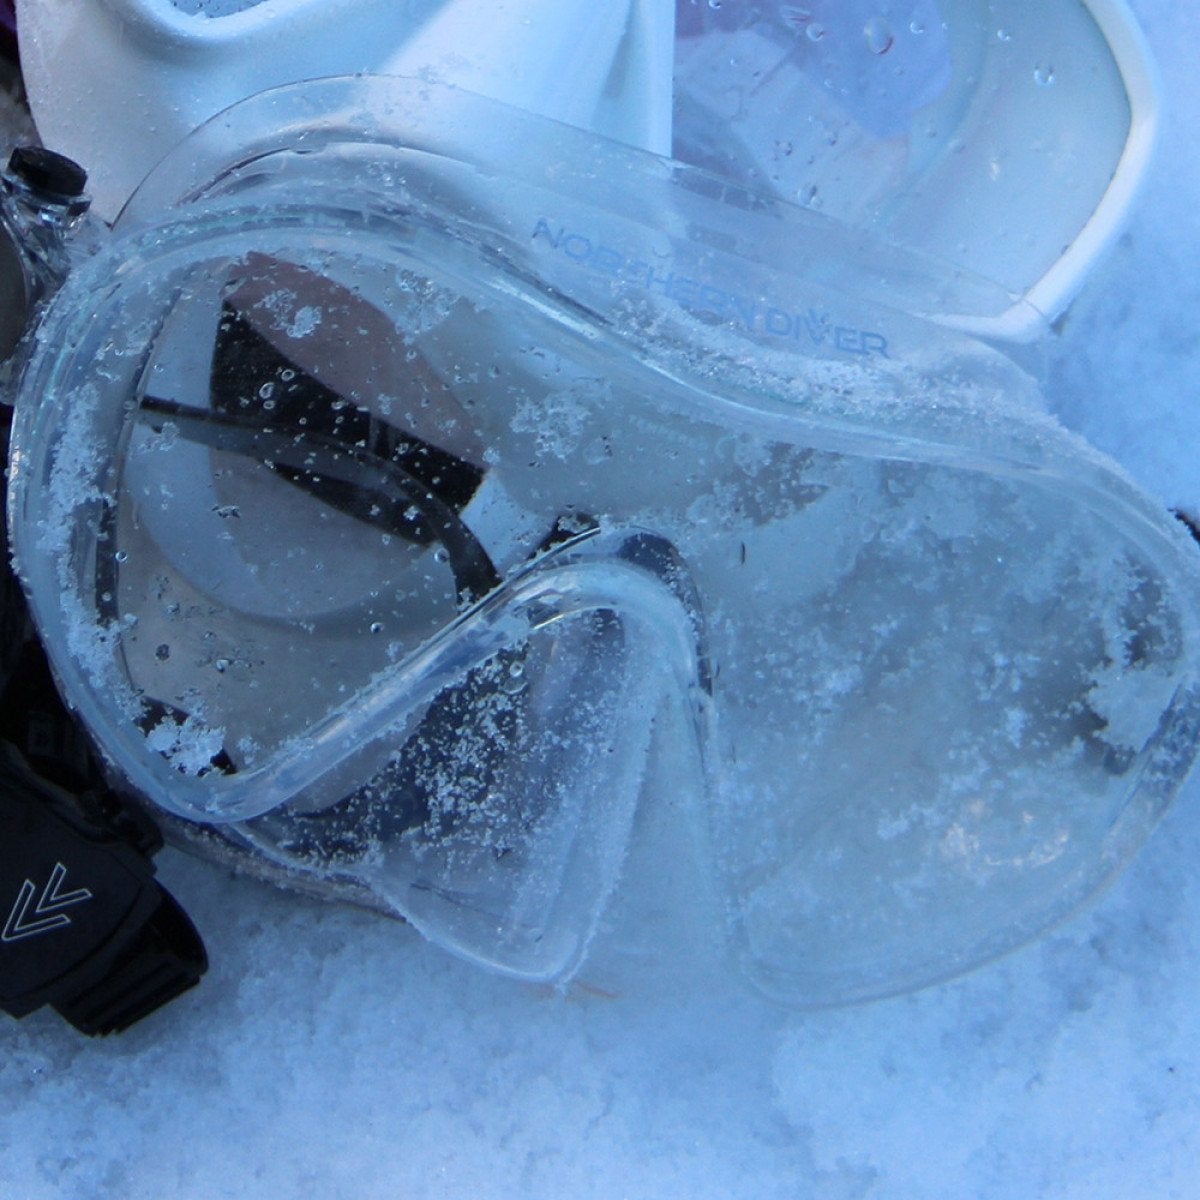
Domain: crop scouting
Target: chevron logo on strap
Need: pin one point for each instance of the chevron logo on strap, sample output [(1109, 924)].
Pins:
[(26, 919)]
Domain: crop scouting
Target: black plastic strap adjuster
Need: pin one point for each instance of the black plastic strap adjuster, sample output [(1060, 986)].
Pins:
[(162, 961), (84, 926)]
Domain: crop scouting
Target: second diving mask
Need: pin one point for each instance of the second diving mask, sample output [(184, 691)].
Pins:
[(1003, 136), (412, 477)]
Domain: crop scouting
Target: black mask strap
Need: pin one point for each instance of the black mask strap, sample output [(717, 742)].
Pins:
[(84, 926)]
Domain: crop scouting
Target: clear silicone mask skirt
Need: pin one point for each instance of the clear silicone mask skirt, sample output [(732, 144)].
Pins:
[(399, 494)]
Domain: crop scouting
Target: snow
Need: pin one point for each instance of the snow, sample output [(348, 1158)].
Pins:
[(330, 1053)]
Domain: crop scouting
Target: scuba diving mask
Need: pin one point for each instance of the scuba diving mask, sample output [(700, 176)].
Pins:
[(1002, 136), (416, 491)]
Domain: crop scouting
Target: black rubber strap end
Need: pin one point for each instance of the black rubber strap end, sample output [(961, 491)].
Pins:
[(163, 961)]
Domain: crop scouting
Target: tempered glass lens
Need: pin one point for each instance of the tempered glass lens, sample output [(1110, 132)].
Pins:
[(983, 692), (982, 133), (281, 532)]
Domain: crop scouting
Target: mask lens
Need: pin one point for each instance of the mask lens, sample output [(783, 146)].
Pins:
[(939, 121), (281, 531), (985, 692)]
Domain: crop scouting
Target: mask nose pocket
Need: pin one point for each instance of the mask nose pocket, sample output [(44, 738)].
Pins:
[(498, 823)]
